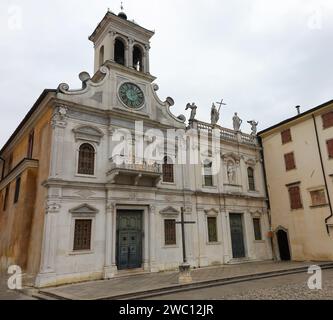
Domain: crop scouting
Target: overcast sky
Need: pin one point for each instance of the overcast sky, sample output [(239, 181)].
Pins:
[(263, 57)]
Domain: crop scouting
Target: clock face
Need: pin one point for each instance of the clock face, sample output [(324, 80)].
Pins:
[(131, 95)]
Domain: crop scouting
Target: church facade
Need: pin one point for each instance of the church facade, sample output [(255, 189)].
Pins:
[(80, 200)]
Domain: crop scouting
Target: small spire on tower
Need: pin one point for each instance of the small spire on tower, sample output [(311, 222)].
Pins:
[(121, 6)]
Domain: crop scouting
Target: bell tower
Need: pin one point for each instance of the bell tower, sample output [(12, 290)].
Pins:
[(123, 41)]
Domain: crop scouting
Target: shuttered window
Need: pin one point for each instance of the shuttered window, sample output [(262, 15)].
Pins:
[(257, 229), (318, 197), (168, 175), (86, 159), (290, 161), (330, 148), (17, 189), (82, 235), (212, 229), (295, 197), (327, 120), (5, 200), (170, 232), (286, 136)]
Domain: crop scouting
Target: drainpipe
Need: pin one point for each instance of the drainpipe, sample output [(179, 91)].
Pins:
[(324, 174), (267, 194), (3, 167)]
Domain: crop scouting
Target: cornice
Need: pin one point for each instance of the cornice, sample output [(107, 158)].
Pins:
[(19, 169)]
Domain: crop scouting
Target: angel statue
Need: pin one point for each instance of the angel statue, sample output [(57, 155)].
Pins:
[(193, 108), (254, 126)]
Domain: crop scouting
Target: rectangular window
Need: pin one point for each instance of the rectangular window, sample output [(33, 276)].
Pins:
[(5, 200), (212, 229), (82, 235), (170, 232), (330, 148), (208, 176), (17, 189), (30, 145), (257, 229), (295, 197), (290, 161), (327, 120), (318, 197), (286, 136)]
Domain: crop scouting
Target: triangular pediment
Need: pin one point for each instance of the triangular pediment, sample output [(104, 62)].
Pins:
[(84, 209), (169, 211)]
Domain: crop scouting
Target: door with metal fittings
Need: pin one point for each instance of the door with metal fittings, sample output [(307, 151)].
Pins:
[(129, 239), (237, 235)]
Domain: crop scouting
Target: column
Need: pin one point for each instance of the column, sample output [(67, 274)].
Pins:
[(110, 49), (152, 239), (203, 261), (130, 53), (146, 59), (227, 249), (47, 274), (110, 268)]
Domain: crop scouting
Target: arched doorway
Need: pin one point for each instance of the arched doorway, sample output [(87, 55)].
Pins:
[(283, 242)]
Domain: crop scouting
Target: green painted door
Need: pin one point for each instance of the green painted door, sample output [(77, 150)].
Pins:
[(129, 239), (237, 235)]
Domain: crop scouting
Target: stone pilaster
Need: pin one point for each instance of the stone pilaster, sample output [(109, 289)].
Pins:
[(59, 124), (152, 239), (110, 268), (47, 274)]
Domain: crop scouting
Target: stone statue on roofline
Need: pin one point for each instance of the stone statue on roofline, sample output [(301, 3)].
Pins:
[(193, 108), (215, 115), (254, 126), (237, 122)]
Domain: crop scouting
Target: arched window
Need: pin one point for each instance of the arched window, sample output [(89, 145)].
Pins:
[(86, 159), (101, 55), (250, 175), (119, 52), (208, 173), (137, 58), (168, 175)]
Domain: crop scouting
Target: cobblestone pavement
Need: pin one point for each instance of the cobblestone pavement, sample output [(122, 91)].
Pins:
[(291, 287), (6, 294)]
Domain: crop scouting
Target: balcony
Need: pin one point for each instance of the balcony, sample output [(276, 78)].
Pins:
[(135, 173)]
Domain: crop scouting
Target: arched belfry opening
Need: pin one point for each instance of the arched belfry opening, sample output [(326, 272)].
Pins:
[(119, 51), (137, 58), (101, 55)]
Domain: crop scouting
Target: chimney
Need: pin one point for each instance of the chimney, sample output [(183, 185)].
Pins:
[(298, 110)]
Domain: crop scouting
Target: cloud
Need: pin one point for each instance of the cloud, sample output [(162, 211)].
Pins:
[(262, 57)]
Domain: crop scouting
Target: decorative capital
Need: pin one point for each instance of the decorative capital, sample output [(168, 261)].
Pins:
[(59, 117), (52, 207)]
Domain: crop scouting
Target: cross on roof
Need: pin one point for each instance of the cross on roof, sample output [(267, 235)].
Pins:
[(221, 104)]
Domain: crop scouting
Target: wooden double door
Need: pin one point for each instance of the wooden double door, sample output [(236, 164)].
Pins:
[(237, 235), (129, 239)]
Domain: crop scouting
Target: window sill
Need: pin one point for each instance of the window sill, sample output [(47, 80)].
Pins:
[(83, 252), (170, 247), (168, 183), (85, 176), (209, 187), (319, 206), (214, 243), (259, 241)]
